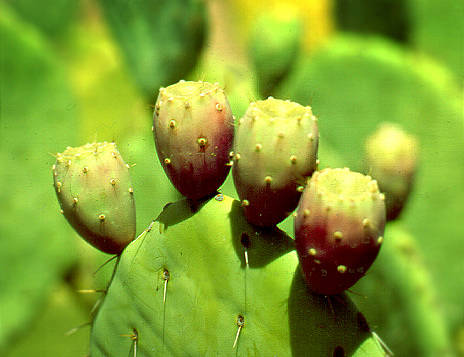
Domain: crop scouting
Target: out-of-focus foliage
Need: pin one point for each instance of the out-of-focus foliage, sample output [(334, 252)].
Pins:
[(52, 17), (274, 47), (59, 329), (37, 112), (390, 18), (160, 40), (399, 300), (438, 30), (355, 84)]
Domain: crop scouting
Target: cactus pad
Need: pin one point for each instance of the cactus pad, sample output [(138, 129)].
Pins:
[(339, 229), (203, 282), (391, 158), (193, 131), (274, 151), (93, 187)]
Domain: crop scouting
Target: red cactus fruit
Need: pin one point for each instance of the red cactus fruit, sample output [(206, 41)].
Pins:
[(275, 151), (338, 229), (193, 131)]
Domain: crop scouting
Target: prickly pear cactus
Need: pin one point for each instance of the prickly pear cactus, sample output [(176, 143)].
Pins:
[(201, 281), (93, 187), (193, 131), (275, 149), (160, 40), (391, 157), (275, 44), (338, 229)]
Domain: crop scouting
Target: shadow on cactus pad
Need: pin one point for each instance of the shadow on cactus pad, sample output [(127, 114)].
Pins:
[(186, 290)]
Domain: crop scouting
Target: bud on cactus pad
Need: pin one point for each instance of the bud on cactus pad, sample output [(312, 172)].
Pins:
[(93, 186), (275, 151), (391, 157), (193, 130), (338, 229)]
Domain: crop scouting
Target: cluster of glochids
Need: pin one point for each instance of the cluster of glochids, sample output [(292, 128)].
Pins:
[(272, 151)]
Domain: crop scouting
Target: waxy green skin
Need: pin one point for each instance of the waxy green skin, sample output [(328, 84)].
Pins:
[(275, 150), (193, 131), (391, 157), (338, 229), (180, 287), (93, 187)]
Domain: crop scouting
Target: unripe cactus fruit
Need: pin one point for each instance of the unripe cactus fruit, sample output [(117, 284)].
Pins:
[(94, 190), (193, 131), (391, 158), (338, 229), (275, 150)]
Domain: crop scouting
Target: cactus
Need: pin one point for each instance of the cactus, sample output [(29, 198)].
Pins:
[(193, 131), (338, 229), (155, 37), (274, 46), (342, 81), (93, 187), (391, 158), (400, 298), (274, 151), (202, 281)]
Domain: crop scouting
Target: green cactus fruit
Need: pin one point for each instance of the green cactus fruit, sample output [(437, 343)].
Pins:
[(275, 150), (193, 130), (391, 158), (275, 44), (93, 187), (201, 281), (160, 40), (338, 229)]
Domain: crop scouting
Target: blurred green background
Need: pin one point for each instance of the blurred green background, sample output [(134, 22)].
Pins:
[(73, 72)]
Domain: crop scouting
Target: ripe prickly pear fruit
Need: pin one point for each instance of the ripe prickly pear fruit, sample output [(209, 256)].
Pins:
[(338, 229), (94, 190), (193, 131), (391, 157), (275, 150)]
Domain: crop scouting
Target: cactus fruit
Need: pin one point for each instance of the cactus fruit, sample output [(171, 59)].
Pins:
[(204, 282), (391, 158), (338, 229), (275, 150), (93, 187), (193, 131)]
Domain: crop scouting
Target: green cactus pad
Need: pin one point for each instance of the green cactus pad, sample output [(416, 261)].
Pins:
[(391, 157), (275, 150), (400, 299), (200, 276), (92, 183)]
